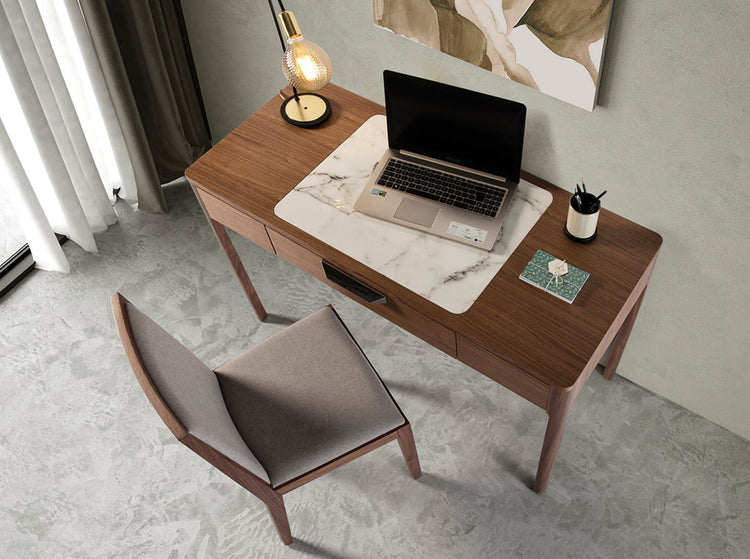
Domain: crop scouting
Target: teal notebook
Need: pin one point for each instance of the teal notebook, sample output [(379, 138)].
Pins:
[(566, 286)]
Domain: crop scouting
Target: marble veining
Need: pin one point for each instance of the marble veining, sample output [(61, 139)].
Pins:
[(449, 274)]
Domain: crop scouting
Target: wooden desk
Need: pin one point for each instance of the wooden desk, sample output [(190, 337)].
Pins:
[(530, 342)]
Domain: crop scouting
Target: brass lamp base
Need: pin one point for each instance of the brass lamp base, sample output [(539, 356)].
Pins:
[(305, 109)]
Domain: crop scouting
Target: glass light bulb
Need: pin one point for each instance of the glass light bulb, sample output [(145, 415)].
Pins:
[(305, 64)]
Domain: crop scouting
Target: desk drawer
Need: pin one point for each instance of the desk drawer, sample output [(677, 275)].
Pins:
[(499, 370), (236, 220), (395, 311)]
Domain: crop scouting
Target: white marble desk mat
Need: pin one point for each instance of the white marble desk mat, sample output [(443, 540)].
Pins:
[(445, 272)]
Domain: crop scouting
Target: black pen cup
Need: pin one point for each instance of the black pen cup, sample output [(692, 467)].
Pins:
[(583, 215)]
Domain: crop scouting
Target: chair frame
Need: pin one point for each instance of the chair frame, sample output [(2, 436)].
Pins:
[(270, 496)]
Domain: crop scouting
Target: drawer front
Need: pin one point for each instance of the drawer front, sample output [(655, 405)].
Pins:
[(400, 314), (499, 370), (236, 220)]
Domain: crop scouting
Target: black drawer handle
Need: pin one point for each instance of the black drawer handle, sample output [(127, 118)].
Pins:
[(351, 285)]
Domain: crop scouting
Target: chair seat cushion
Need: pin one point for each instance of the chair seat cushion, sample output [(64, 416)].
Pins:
[(306, 396)]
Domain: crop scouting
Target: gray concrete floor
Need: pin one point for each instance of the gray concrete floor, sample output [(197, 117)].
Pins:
[(88, 470)]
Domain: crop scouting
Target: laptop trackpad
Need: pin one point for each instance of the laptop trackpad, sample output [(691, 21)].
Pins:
[(415, 212)]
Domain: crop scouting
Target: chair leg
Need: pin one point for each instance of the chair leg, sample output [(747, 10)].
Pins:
[(277, 510), (409, 450)]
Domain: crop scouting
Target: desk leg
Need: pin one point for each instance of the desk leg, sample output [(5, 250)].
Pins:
[(234, 259), (557, 411), (618, 345)]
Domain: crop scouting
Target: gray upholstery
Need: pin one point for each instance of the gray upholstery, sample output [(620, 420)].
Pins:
[(190, 389), (306, 396)]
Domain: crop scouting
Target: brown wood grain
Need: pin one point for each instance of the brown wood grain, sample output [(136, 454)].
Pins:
[(337, 463), (257, 164), (241, 223), (535, 344), (248, 225), (559, 403), (405, 438), (394, 310), (499, 370), (272, 497)]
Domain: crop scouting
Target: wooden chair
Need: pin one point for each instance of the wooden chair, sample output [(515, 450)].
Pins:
[(289, 410)]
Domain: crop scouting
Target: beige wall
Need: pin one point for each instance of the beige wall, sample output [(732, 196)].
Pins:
[(669, 141)]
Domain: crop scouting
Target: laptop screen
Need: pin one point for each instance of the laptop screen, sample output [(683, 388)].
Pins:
[(456, 125)]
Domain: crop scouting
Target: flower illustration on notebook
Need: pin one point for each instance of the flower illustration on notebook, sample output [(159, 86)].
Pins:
[(555, 276)]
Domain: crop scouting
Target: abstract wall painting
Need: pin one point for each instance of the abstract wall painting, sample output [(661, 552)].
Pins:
[(554, 46)]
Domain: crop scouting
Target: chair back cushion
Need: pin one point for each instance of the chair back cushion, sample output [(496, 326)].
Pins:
[(189, 388)]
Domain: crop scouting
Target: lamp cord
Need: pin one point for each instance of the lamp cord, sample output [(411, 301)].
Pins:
[(278, 29), (281, 38)]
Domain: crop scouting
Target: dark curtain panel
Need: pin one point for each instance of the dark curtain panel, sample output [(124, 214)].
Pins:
[(148, 66)]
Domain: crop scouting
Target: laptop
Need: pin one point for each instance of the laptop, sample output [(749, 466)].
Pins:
[(453, 160)]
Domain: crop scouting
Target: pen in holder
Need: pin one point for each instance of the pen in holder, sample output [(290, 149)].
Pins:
[(583, 215)]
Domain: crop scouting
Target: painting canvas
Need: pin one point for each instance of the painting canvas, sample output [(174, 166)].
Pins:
[(555, 46)]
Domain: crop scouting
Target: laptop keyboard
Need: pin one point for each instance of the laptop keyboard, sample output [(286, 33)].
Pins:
[(446, 188)]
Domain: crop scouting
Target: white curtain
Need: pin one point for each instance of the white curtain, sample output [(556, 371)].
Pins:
[(62, 152)]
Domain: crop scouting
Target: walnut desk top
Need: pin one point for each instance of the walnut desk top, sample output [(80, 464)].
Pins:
[(531, 342)]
